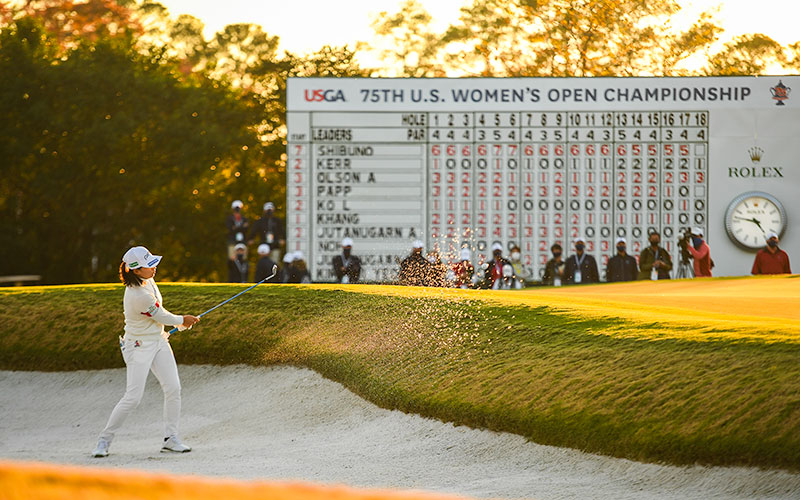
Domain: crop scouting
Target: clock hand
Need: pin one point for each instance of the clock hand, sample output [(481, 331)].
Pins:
[(759, 225)]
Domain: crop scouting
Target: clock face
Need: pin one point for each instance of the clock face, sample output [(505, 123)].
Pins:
[(751, 216)]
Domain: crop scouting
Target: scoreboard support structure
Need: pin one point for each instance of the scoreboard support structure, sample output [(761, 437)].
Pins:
[(533, 162)]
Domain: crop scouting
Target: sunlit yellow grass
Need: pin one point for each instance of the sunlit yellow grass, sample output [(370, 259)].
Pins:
[(763, 308), (34, 481)]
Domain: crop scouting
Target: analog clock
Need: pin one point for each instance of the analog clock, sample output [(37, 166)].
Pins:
[(751, 216)]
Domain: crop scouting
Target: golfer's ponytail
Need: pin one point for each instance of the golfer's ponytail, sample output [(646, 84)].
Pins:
[(127, 276)]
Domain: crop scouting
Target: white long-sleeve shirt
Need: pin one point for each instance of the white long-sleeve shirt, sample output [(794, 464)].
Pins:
[(145, 315)]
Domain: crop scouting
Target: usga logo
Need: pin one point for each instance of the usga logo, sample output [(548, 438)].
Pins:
[(328, 95)]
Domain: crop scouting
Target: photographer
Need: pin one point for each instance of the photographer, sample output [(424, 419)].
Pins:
[(701, 254), (654, 261)]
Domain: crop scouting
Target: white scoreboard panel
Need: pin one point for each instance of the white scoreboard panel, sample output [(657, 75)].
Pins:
[(535, 161)]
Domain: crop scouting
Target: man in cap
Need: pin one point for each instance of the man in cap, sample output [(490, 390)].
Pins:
[(654, 261), (264, 265), (286, 270), (269, 229), (581, 267), (771, 259), (238, 267), (463, 270), (299, 272), (347, 267), (414, 268), (621, 267), (701, 254), (494, 271), (237, 225)]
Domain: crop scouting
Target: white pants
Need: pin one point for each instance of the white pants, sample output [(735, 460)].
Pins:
[(142, 356)]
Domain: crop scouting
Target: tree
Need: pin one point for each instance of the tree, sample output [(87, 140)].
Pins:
[(747, 55), (408, 43), (106, 147)]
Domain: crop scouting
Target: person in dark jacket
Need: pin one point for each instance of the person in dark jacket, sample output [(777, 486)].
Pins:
[(347, 266), (654, 261), (495, 272), (554, 269), (286, 271), (237, 225), (621, 267), (269, 229), (437, 271), (264, 265), (581, 267), (414, 268), (238, 267), (299, 272)]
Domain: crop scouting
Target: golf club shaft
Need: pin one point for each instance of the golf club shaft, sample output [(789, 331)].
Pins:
[(274, 272)]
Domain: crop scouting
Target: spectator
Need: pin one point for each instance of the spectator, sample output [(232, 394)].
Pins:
[(237, 225), (299, 272), (269, 229), (414, 268), (286, 270), (347, 266), (264, 265), (494, 271), (238, 267), (464, 271), (521, 273), (771, 259), (437, 271), (581, 267), (554, 269), (701, 254), (621, 267), (654, 262)]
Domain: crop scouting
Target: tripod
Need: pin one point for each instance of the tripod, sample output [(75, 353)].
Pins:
[(685, 270)]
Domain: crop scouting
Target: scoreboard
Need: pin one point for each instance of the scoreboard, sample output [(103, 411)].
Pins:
[(537, 161)]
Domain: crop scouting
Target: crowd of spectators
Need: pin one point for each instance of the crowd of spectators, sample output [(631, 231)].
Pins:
[(500, 272)]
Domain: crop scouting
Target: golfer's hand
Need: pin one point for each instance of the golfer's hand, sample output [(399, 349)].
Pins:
[(189, 320)]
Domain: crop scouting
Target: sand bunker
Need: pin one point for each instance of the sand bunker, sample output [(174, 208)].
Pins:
[(290, 423)]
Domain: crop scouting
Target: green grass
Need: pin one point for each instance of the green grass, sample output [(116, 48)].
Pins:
[(546, 376)]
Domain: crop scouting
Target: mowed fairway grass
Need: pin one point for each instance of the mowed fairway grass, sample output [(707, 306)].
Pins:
[(698, 371)]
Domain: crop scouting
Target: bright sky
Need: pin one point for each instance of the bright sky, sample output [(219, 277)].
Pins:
[(307, 25)]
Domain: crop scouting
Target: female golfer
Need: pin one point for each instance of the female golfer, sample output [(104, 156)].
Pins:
[(145, 348)]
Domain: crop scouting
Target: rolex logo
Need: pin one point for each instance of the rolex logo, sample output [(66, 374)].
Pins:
[(756, 154)]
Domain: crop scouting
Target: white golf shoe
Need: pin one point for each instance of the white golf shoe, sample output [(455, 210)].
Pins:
[(172, 443), (101, 450)]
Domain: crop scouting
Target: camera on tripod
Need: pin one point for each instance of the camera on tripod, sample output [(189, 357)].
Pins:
[(684, 240)]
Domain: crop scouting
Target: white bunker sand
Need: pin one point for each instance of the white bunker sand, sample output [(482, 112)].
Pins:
[(289, 423)]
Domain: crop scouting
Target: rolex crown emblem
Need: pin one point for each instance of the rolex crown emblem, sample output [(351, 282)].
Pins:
[(756, 154)]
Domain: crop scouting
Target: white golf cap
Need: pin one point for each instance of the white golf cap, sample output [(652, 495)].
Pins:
[(697, 231), (621, 240), (138, 257), (269, 206), (240, 246), (288, 257), (298, 255), (237, 204), (417, 244), (347, 242), (263, 249), (497, 246), (466, 254), (772, 234), (579, 239)]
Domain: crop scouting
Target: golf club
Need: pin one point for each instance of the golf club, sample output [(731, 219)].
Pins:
[(274, 272)]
